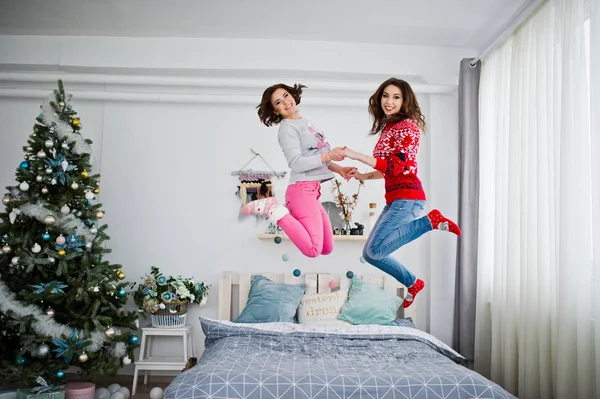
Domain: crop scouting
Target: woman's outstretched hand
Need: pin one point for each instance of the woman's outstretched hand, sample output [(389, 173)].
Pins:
[(355, 174), (347, 171)]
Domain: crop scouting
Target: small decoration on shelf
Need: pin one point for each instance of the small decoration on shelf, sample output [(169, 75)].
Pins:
[(274, 229), (358, 230), (166, 298), (347, 204)]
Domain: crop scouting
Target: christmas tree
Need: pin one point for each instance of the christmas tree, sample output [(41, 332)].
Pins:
[(61, 304)]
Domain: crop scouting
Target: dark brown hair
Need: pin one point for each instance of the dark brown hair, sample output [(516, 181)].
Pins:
[(266, 113), (408, 110)]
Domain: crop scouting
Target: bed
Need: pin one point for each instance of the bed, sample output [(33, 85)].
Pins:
[(287, 359)]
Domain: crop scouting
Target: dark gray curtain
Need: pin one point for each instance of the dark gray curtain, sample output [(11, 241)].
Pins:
[(468, 209)]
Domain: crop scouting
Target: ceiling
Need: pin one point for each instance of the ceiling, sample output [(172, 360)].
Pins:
[(448, 23)]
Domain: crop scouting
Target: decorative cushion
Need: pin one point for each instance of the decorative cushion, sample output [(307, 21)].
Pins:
[(322, 309), (369, 304), (269, 301)]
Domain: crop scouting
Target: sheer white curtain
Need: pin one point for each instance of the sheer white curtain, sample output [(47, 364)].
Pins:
[(535, 328)]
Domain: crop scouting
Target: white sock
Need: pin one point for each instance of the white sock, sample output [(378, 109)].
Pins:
[(276, 212)]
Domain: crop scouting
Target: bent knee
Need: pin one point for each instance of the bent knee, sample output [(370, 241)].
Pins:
[(370, 255)]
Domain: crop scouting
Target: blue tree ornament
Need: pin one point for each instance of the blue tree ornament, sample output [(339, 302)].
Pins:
[(297, 272), (122, 292), (134, 339), (24, 165), (46, 236), (60, 374), (349, 274)]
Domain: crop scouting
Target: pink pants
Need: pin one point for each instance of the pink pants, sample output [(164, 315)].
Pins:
[(307, 225)]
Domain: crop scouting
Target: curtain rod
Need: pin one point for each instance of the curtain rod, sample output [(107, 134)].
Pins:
[(524, 11)]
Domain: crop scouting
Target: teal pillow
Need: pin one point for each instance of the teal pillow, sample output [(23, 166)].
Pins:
[(269, 301), (369, 304)]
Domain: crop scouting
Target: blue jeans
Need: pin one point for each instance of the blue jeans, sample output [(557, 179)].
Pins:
[(397, 225)]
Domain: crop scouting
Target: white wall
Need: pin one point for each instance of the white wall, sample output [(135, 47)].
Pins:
[(167, 187)]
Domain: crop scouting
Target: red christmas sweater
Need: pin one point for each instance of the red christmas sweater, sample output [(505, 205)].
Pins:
[(396, 155)]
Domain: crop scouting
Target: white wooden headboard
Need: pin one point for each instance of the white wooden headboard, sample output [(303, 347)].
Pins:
[(235, 286)]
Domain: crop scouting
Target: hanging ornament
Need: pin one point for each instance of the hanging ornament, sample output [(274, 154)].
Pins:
[(46, 236), (109, 332), (62, 252), (24, 186), (89, 195), (85, 174), (44, 190), (24, 165), (53, 181), (121, 275), (5, 200), (64, 165), (88, 245), (36, 248), (51, 259), (122, 292), (65, 145), (97, 190), (76, 122), (134, 339), (41, 154), (29, 149), (6, 249), (49, 220), (83, 357), (49, 143), (60, 240), (39, 178), (74, 186), (14, 261), (69, 107), (65, 210), (99, 215), (20, 360), (62, 104), (42, 351), (48, 171), (50, 312), (12, 216), (93, 230), (60, 374), (126, 360)]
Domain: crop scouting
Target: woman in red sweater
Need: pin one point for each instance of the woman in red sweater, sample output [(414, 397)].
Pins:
[(398, 121)]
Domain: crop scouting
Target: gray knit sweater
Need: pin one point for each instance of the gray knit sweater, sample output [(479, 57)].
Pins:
[(302, 144)]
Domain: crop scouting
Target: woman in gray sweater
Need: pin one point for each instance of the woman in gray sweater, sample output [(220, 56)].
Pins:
[(310, 157)]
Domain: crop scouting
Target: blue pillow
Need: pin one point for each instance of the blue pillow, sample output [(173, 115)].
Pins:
[(405, 322), (269, 301), (369, 304)]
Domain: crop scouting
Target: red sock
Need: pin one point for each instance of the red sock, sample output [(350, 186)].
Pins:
[(413, 290), (440, 222)]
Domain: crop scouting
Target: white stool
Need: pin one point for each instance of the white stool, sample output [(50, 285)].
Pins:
[(146, 362)]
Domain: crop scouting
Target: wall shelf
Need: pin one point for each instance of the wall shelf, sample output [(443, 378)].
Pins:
[(265, 236)]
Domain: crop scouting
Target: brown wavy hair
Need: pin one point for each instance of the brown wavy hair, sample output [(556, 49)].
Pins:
[(408, 110), (266, 113)]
